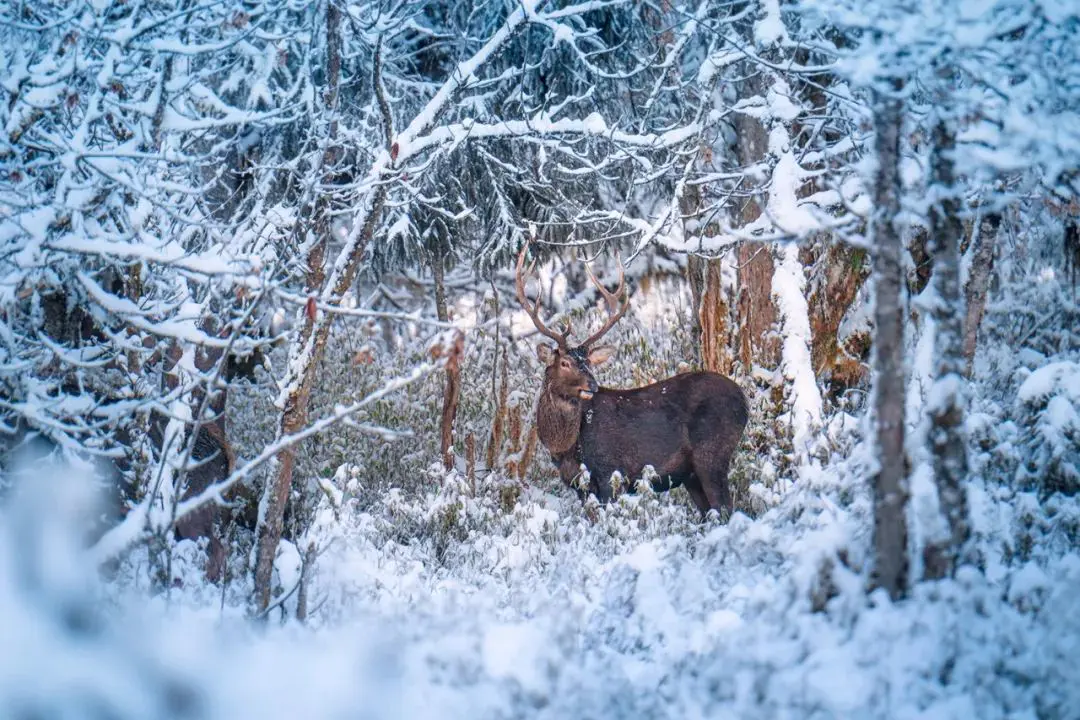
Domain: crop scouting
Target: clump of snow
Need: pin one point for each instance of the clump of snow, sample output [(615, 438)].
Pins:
[(1049, 406), (769, 29), (1063, 377), (520, 652), (789, 282)]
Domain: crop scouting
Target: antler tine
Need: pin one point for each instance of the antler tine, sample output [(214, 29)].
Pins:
[(534, 311), (614, 311)]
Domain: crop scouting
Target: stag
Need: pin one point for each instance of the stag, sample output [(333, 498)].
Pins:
[(686, 427)]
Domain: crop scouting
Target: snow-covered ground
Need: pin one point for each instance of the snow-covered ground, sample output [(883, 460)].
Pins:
[(454, 605), (444, 601)]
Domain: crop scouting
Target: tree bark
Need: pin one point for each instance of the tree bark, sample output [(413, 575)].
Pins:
[(841, 271), (715, 321), (452, 391), (978, 283), (890, 482), (710, 332), (495, 440), (307, 564), (755, 311), (919, 249), (1072, 251), (947, 441), (314, 334), (695, 275), (757, 343)]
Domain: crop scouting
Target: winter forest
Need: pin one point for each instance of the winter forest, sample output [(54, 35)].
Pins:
[(540, 358)]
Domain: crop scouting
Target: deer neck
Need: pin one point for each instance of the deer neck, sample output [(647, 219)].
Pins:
[(558, 422)]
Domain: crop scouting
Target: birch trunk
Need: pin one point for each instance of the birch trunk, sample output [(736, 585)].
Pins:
[(890, 482), (947, 442), (978, 283)]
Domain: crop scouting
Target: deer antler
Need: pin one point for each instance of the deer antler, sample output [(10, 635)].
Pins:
[(534, 310), (614, 311)]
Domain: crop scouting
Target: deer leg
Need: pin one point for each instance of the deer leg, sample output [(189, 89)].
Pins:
[(714, 481), (215, 558), (697, 494), (601, 485)]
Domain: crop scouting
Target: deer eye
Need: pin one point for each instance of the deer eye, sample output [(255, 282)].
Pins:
[(566, 364)]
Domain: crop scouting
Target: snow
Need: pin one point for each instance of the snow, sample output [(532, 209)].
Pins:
[(518, 652), (450, 600), (804, 396), (1063, 376), (562, 34), (716, 62), (769, 29), (540, 125), (170, 253), (612, 617), (1028, 583)]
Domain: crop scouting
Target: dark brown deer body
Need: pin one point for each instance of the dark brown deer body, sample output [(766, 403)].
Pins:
[(686, 427), (212, 459)]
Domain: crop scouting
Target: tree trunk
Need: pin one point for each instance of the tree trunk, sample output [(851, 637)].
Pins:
[(495, 441), (947, 441), (1072, 251), (802, 394), (841, 271), (710, 332), (755, 311), (890, 482), (919, 249), (978, 283), (715, 315), (452, 391), (314, 335), (695, 275), (312, 342), (307, 564), (757, 343)]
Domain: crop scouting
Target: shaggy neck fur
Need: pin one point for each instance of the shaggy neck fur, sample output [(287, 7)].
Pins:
[(558, 422)]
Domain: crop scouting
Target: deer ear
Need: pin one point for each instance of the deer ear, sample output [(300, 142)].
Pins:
[(545, 353), (601, 354)]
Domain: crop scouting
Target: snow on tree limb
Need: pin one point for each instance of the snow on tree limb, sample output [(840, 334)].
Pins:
[(131, 530)]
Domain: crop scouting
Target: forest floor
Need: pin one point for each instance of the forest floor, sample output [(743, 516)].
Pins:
[(454, 598), (474, 605)]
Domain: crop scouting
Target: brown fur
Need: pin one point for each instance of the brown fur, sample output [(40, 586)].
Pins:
[(558, 422), (686, 427)]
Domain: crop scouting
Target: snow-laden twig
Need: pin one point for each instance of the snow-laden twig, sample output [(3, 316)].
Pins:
[(412, 317)]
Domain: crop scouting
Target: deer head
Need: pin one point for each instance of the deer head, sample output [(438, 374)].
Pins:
[(568, 377)]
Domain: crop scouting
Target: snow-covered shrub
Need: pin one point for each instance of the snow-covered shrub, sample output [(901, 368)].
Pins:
[(441, 603), (1023, 444), (1049, 412)]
